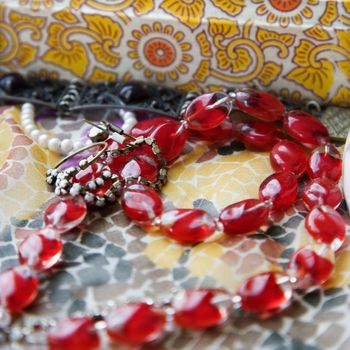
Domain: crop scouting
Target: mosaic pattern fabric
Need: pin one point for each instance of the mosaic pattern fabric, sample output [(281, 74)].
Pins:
[(109, 259), (299, 49)]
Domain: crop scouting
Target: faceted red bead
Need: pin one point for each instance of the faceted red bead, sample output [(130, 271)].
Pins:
[(170, 135), (220, 134), (135, 323), (287, 155), (281, 188), (140, 162), (76, 333), (201, 308), (326, 225), (40, 250), (18, 288), (265, 292), (199, 114), (64, 213), (259, 104), (257, 135), (141, 203), (244, 217), (312, 267), (187, 225), (305, 128), (321, 191), (90, 174), (325, 161)]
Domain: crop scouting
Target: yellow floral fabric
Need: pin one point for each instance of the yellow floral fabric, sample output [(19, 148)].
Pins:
[(300, 49)]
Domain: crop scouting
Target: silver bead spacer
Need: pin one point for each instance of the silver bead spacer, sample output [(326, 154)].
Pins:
[(99, 181), (89, 197), (91, 185), (83, 163)]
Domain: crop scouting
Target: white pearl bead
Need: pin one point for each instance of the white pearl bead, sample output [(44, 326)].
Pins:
[(77, 145), (29, 128), (43, 140), (35, 134), (27, 110), (66, 146), (128, 115), (88, 142), (27, 105), (28, 123), (26, 116), (27, 120), (54, 144)]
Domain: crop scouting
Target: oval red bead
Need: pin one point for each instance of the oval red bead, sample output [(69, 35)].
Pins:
[(310, 267), (90, 174), (141, 162), (135, 323), (187, 225), (325, 161), (326, 225), (64, 213), (279, 188), (41, 250), (170, 135), (18, 288), (287, 155), (266, 292), (73, 334), (305, 128), (257, 135), (259, 104), (244, 217), (141, 203), (201, 308), (220, 134), (321, 191), (199, 114)]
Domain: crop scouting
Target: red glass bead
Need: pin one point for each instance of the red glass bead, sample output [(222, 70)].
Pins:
[(259, 104), (257, 135), (18, 288), (135, 323), (141, 203), (64, 213), (244, 217), (220, 134), (305, 128), (201, 116), (325, 161), (281, 188), (40, 250), (287, 155), (201, 308), (265, 293), (140, 162), (90, 174), (321, 191), (312, 266), (326, 225), (187, 225), (74, 334), (143, 166), (170, 135)]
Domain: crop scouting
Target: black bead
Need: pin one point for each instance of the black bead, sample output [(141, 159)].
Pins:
[(134, 92), (12, 83)]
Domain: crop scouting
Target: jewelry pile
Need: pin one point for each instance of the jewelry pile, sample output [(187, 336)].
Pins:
[(132, 166)]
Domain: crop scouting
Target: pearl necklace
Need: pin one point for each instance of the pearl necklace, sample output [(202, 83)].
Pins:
[(48, 140)]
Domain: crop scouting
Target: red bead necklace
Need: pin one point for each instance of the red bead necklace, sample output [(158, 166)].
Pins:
[(135, 168)]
